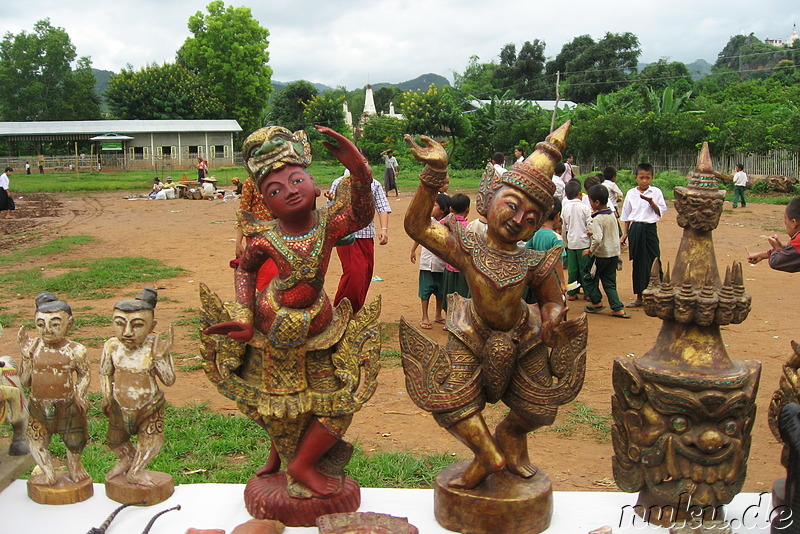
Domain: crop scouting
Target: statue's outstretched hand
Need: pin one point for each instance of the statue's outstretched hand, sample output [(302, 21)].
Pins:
[(235, 330), (345, 151), (432, 153)]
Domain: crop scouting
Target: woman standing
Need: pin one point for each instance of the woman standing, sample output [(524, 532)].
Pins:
[(6, 202), (390, 175)]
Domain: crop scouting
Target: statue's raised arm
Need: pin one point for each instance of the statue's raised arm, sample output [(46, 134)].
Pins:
[(418, 224)]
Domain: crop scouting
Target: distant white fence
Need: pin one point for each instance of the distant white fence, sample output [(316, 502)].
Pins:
[(774, 163)]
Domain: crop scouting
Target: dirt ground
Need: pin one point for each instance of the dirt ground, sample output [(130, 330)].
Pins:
[(198, 236)]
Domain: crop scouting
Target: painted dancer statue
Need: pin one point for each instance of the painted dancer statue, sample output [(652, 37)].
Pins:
[(499, 347), (294, 363), (56, 370)]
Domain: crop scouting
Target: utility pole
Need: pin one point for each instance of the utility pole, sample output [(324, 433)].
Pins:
[(555, 109)]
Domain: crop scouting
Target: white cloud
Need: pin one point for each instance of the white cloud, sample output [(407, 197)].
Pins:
[(353, 42)]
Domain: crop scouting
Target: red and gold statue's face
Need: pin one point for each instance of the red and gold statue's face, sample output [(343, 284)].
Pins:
[(672, 441), (290, 192), (512, 216)]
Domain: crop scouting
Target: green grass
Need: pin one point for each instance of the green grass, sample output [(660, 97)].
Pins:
[(390, 358), (203, 446), (585, 418), (8, 319), (56, 246), (85, 279)]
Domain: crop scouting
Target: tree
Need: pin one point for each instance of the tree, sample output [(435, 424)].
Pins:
[(286, 107), (37, 82), (434, 113), (662, 74), (523, 73), (229, 51), (381, 133), (477, 80), (326, 110), (749, 57), (385, 96), (590, 68), (167, 91)]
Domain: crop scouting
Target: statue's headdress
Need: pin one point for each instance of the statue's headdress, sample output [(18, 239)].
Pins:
[(533, 176), (46, 302), (272, 148), (145, 300)]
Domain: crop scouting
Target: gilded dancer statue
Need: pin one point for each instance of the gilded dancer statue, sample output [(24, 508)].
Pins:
[(295, 364), (499, 348)]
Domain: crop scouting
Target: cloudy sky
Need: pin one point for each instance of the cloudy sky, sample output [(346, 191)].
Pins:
[(353, 42)]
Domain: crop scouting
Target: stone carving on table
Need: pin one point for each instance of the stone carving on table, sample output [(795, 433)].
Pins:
[(364, 523), (131, 365), (788, 392), (683, 412), (297, 366), (13, 406), (14, 460), (785, 494), (499, 347), (56, 371)]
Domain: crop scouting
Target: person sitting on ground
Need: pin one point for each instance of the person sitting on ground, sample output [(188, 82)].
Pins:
[(169, 189), (238, 185), (784, 258), (157, 186), (209, 189)]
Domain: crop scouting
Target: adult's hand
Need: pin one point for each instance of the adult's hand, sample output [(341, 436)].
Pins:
[(235, 330)]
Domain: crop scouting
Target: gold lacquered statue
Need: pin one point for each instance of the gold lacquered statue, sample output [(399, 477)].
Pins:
[(499, 347), (683, 411), (56, 370), (299, 367), (131, 365)]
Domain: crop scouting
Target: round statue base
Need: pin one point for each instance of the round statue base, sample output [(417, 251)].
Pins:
[(267, 497), (120, 490), (502, 503), (64, 491)]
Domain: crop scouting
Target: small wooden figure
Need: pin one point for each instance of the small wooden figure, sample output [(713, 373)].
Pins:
[(13, 410), (133, 401), (56, 371)]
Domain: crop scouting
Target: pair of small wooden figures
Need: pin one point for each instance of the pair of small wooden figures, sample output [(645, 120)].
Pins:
[(56, 370)]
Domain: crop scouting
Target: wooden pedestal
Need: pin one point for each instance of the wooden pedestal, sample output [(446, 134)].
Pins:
[(64, 491), (266, 497), (120, 490), (502, 503), (12, 467)]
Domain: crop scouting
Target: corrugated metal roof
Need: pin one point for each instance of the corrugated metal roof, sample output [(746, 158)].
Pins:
[(116, 126), (547, 105)]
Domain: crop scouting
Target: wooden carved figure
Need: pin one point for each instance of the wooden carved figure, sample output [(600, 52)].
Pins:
[(683, 411), (499, 348), (130, 367), (299, 367), (15, 460), (55, 369)]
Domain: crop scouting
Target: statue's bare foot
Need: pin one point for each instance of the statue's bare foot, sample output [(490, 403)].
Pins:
[(120, 468), (484, 464), (77, 472), (273, 463), (513, 442), (321, 484), (141, 478)]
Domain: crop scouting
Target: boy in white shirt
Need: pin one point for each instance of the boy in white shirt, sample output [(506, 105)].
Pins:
[(644, 207), (557, 172), (574, 219), (615, 195)]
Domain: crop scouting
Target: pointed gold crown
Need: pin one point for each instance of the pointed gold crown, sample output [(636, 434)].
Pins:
[(533, 176)]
